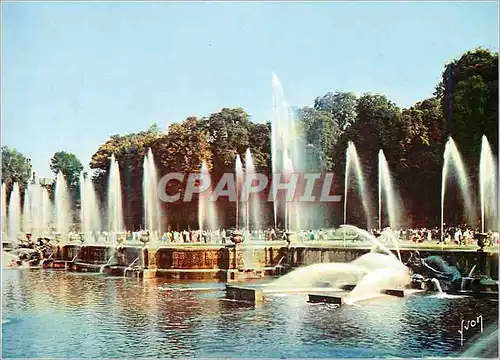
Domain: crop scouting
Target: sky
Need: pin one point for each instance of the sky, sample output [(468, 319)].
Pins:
[(75, 73)]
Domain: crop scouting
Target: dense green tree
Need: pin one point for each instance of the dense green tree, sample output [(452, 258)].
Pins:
[(321, 133), (469, 95), (421, 160), (69, 165), (340, 105), (229, 134), (15, 168)]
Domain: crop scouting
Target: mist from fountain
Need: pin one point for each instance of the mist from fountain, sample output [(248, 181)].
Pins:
[(114, 208), (286, 136), (152, 208), (63, 217), (14, 213), (453, 166), (239, 183), (207, 213), (353, 167), (488, 185), (90, 215)]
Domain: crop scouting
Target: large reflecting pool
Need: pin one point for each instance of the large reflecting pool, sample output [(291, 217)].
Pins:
[(68, 315)]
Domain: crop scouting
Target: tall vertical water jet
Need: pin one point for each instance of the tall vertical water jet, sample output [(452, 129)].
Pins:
[(454, 166), (35, 210), (90, 219), (207, 216), (152, 208), (239, 184), (488, 185), (115, 208), (46, 212), (290, 206), (4, 209), (386, 187), (63, 214), (285, 136), (14, 214), (252, 200), (353, 166), (26, 213)]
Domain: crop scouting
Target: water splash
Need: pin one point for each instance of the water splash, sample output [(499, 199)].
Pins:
[(366, 235), (354, 165), (115, 208), (488, 185), (370, 273), (437, 284), (62, 205), (453, 165)]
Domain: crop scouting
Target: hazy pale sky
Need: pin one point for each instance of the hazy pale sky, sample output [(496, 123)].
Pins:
[(73, 74)]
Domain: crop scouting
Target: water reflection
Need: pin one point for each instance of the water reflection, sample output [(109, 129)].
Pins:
[(65, 315)]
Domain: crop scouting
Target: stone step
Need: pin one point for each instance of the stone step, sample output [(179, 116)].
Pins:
[(393, 292), (319, 298), (244, 294)]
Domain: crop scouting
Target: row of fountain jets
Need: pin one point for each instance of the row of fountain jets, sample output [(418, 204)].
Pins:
[(39, 216), (453, 167)]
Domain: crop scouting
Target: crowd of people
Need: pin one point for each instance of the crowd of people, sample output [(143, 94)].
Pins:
[(461, 235)]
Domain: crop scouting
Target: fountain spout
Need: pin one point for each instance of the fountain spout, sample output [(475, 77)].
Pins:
[(74, 257), (437, 285), (133, 262)]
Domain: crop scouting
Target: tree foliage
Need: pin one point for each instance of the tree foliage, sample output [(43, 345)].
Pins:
[(69, 165), (15, 168), (470, 100)]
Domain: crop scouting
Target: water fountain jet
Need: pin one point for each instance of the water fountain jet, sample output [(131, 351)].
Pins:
[(488, 185), (353, 164), (152, 208), (14, 214), (115, 208), (453, 165), (62, 206)]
